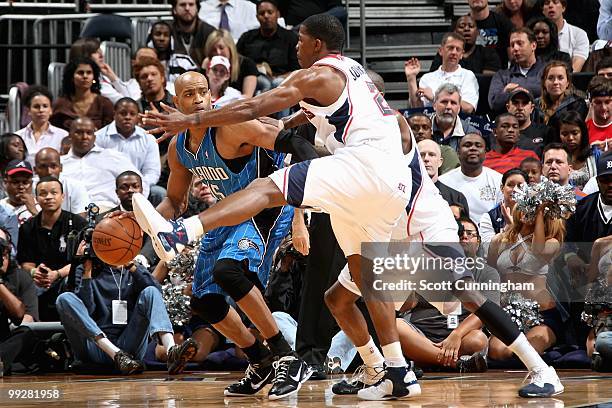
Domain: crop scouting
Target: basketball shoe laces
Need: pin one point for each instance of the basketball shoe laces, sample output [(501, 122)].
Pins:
[(249, 374), (537, 377), (281, 368), (361, 375)]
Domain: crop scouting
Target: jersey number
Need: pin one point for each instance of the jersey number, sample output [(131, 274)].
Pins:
[(214, 189), (380, 100)]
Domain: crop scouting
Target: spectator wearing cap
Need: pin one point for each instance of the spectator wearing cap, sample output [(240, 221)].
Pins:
[(447, 127), (18, 182), (525, 70), (479, 184), (600, 124), (572, 39), (43, 244), (270, 46), (432, 159), (451, 51), (506, 155), (39, 133), (421, 127), (219, 75), (532, 135)]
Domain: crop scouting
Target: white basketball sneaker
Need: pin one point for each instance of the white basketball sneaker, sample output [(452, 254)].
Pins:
[(397, 383), (544, 383)]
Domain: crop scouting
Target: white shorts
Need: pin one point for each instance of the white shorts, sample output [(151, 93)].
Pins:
[(363, 189)]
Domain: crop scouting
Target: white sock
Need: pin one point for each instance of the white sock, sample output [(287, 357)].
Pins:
[(393, 355), (370, 354), (194, 228), (167, 340), (525, 351), (107, 346)]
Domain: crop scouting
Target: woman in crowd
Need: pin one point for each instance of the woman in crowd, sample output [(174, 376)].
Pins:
[(494, 221), (218, 75), (547, 37), (39, 133), (571, 130), (558, 95), (521, 255), (476, 58), (244, 70), (81, 96), (517, 11), (12, 147), (111, 86), (161, 40)]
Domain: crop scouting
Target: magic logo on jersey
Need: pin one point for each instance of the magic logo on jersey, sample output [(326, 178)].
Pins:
[(208, 173), (244, 244)]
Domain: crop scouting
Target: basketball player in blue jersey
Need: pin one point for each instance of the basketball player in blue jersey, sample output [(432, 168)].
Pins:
[(364, 185)]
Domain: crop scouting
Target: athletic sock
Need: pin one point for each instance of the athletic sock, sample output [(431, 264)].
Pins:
[(194, 228), (257, 352), (279, 346), (525, 351), (370, 354), (166, 339), (393, 355), (107, 346)]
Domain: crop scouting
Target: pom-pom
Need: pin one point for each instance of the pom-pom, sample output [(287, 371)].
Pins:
[(525, 313), (180, 274), (560, 200)]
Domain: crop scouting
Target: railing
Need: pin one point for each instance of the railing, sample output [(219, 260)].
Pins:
[(118, 56), (55, 73), (13, 109)]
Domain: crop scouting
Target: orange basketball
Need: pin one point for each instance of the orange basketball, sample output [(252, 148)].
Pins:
[(116, 241)]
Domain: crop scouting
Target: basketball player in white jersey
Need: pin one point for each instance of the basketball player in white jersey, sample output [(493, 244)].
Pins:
[(365, 186)]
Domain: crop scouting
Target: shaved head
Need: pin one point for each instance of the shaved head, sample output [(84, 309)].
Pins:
[(47, 162), (192, 93), (48, 153), (187, 78), (428, 144)]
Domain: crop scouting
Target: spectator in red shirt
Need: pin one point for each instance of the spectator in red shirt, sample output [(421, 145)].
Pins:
[(600, 98), (506, 155)]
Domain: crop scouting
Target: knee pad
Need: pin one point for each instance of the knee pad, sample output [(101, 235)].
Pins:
[(211, 307), (231, 275)]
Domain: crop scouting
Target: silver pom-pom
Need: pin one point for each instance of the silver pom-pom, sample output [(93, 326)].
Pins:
[(177, 304), (180, 269), (525, 313), (560, 200), (180, 275)]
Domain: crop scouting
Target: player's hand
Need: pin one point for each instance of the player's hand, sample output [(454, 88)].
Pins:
[(278, 124), (169, 123), (412, 67), (449, 349), (121, 214), (301, 240)]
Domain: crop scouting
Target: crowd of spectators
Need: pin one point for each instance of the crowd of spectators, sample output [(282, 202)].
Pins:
[(89, 146)]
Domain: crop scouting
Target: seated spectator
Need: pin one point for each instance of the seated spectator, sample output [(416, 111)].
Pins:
[(81, 96), (188, 31), (12, 147), (522, 254), (555, 166), (270, 46), (218, 75), (17, 281), (160, 39), (450, 72), (99, 333), (125, 136), (600, 124), (151, 76), (558, 95), (476, 57), (604, 67), (447, 127), (547, 38), (425, 335), (572, 40), (420, 124), (296, 11), (525, 70), (48, 163), (12, 309), (43, 245), (235, 16), (433, 160), (479, 184), (495, 220), (111, 86), (8, 221), (517, 11), (604, 23), (97, 167), (494, 28), (19, 200), (533, 168), (39, 133), (571, 131), (506, 155), (532, 135), (583, 14), (244, 70)]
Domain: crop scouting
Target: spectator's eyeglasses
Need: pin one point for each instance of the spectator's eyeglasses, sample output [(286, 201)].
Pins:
[(470, 234)]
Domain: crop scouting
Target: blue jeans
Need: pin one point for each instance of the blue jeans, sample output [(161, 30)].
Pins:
[(145, 320), (287, 326), (603, 345)]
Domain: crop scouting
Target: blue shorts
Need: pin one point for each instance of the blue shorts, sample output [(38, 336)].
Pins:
[(253, 241)]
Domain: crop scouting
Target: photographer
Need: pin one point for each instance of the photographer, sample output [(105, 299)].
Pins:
[(43, 244), (113, 314)]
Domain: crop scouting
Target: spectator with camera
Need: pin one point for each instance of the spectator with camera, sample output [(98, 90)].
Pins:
[(113, 314), (43, 244)]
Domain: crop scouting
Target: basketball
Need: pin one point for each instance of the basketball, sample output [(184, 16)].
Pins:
[(116, 241)]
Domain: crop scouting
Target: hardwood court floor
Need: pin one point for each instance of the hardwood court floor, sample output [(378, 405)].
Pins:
[(205, 389)]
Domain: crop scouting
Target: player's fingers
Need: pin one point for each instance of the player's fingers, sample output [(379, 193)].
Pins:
[(167, 108)]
